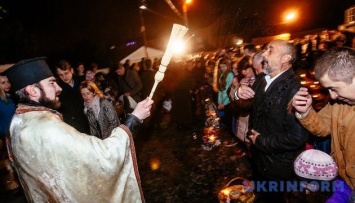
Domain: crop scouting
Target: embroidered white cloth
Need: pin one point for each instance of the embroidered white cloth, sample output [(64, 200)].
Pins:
[(56, 163)]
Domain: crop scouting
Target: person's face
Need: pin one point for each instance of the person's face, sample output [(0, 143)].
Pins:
[(247, 52), (235, 70), (81, 69), (198, 64), (189, 66), (49, 93), (235, 82), (248, 73), (272, 57), (223, 67), (136, 67), (120, 71), (90, 75), (87, 95), (4, 84), (65, 75), (339, 90)]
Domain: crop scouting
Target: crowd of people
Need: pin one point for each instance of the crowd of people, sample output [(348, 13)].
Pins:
[(70, 135)]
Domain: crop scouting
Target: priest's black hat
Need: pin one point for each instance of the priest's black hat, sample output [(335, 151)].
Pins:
[(28, 72)]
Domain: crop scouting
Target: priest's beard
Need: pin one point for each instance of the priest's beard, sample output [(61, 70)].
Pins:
[(43, 100)]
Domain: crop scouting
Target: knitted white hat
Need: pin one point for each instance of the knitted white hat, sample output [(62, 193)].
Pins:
[(315, 165)]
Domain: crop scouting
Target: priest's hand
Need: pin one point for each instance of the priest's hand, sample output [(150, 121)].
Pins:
[(142, 110)]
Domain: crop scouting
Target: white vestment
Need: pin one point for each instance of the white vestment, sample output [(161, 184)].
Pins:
[(56, 163)]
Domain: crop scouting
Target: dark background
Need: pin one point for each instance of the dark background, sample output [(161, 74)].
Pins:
[(97, 30)]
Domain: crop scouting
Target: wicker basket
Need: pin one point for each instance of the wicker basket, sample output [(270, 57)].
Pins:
[(237, 193)]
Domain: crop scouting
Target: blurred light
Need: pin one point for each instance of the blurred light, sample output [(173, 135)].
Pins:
[(290, 16), (179, 47), (143, 7), (154, 164), (239, 42), (188, 1), (303, 75), (212, 138), (284, 36), (131, 43), (316, 82), (112, 47)]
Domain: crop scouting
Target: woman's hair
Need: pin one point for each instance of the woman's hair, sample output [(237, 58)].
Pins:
[(91, 86), (3, 95), (245, 63), (219, 80)]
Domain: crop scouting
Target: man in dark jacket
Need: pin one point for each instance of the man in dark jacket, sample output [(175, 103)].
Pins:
[(72, 104), (276, 134), (130, 84)]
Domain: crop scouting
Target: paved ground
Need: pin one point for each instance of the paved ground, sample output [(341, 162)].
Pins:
[(185, 171)]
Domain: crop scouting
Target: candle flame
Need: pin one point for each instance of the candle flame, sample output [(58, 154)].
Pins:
[(226, 192), (212, 138)]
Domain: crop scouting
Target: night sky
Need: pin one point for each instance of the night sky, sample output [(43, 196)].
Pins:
[(84, 30)]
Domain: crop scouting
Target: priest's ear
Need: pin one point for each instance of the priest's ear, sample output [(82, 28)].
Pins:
[(32, 91)]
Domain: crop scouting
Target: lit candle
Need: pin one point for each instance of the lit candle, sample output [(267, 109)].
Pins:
[(177, 34), (212, 138), (226, 194)]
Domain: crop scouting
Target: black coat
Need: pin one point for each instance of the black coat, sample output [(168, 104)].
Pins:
[(130, 82), (72, 106), (147, 78), (281, 135)]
